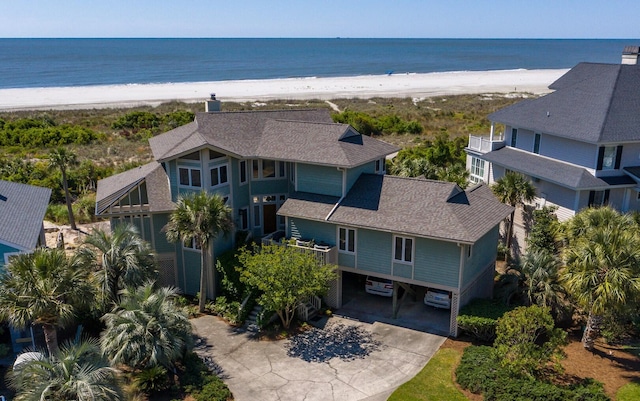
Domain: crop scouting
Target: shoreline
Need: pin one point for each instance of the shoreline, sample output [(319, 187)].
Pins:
[(416, 85)]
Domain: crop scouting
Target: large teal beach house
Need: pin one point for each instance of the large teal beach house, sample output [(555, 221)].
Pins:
[(296, 174)]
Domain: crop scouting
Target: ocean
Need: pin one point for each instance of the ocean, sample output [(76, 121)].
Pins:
[(33, 63)]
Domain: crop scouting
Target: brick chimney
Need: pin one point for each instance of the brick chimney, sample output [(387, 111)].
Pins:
[(630, 55), (212, 105)]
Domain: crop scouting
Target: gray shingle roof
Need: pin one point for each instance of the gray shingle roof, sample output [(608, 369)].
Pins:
[(563, 174), (295, 135), (410, 206), (113, 188), (595, 103), (22, 209)]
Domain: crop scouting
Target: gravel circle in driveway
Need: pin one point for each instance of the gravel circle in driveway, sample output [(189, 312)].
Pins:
[(345, 360)]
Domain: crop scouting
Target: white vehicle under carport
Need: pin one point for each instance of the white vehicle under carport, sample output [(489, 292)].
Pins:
[(379, 286), (437, 298)]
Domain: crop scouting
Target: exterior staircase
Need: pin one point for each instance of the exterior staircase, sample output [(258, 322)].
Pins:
[(309, 308), (251, 324)]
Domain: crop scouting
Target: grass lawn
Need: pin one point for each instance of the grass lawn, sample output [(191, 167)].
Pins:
[(435, 380), (628, 392)]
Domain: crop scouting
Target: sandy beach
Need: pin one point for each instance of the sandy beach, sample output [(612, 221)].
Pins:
[(395, 85)]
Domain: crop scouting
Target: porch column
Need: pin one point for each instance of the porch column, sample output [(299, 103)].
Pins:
[(493, 126)]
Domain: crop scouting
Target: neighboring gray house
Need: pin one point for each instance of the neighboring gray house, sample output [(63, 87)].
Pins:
[(579, 145), (298, 174), (22, 210)]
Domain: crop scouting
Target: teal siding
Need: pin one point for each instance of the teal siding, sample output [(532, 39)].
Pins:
[(161, 244), (172, 168), (374, 251), (483, 253), (4, 249), (354, 173), (346, 260), (191, 283), (403, 270), (268, 187), (319, 179), (312, 230), (240, 192), (437, 262)]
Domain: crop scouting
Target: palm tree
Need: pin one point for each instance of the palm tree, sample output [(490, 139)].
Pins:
[(513, 189), (78, 372), (121, 259), (147, 329), (44, 287), (63, 159), (602, 264), (541, 269), (200, 217)]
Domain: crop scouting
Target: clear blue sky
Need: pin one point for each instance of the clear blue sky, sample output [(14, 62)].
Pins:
[(326, 18)]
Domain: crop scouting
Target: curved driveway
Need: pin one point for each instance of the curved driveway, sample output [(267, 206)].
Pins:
[(344, 360)]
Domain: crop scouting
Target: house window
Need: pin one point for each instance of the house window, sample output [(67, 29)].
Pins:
[(292, 172), (514, 137), (189, 177), (243, 171), (192, 245), (347, 237), (243, 217), (215, 155), (477, 170), (536, 143), (598, 198), (265, 169), (403, 249), (380, 166), (219, 175), (469, 251), (268, 168), (609, 157)]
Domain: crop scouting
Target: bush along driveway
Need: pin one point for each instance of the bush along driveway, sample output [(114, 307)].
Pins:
[(344, 360)]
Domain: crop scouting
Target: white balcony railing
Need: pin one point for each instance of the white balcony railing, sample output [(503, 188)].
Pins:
[(324, 254), (485, 144)]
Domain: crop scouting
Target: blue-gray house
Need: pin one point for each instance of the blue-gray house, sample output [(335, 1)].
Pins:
[(22, 210), (298, 173)]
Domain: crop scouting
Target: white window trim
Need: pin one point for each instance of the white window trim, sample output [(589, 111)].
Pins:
[(404, 242), (191, 247), (190, 169), (355, 241), (473, 176), (380, 166), (220, 183)]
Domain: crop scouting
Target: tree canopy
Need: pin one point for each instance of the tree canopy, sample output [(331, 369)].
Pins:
[(285, 275)]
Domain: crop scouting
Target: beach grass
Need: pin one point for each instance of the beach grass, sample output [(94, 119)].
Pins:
[(434, 382)]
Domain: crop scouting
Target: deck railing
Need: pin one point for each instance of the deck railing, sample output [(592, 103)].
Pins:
[(324, 254), (484, 144)]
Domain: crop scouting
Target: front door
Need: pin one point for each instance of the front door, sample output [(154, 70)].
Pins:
[(270, 223)]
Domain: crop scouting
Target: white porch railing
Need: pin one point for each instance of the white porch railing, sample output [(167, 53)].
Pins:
[(308, 308), (484, 144), (324, 254)]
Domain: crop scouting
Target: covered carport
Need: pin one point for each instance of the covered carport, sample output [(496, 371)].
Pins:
[(406, 308)]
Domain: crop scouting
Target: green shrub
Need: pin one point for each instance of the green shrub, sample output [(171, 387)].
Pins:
[(526, 340), (478, 367), (480, 372), (198, 381), (479, 318), (228, 265), (5, 349), (152, 380), (213, 390), (136, 120)]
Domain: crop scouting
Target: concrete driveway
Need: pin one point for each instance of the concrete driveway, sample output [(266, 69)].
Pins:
[(344, 360)]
